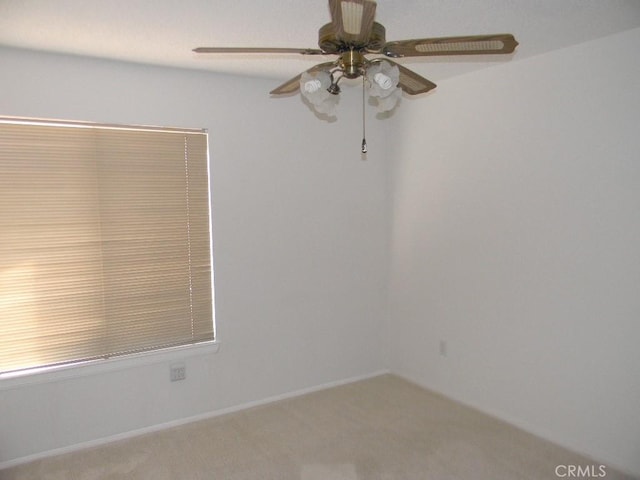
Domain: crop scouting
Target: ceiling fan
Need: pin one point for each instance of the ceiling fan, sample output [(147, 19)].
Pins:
[(353, 34)]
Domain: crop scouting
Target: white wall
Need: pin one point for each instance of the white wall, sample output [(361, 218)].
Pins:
[(300, 239), (516, 240)]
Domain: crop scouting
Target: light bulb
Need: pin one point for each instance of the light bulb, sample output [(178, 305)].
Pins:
[(312, 86), (383, 80)]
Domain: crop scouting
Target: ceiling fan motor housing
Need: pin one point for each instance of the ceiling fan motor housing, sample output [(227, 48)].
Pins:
[(329, 42)]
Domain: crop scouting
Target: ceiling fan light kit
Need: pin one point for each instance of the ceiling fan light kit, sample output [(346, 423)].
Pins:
[(353, 34), (320, 88)]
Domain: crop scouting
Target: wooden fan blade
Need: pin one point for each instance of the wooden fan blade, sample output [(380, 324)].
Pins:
[(410, 82), (291, 86), (470, 45), (241, 50), (353, 20)]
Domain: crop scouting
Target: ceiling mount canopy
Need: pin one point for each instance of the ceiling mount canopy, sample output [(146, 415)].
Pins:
[(352, 35)]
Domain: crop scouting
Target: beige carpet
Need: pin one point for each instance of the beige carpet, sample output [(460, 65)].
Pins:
[(381, 428)]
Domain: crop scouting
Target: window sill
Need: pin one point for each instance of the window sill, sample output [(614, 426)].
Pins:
[(96, 367)]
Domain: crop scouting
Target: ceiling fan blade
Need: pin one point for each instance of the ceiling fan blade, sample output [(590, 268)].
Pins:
[(291, 86), (241, 50), (410, 82), (353, 20), (469, 45)]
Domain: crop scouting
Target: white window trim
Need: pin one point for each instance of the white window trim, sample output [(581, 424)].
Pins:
[(43, 375)]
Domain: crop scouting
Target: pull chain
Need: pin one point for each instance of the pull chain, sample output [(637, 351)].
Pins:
[(364, 140)]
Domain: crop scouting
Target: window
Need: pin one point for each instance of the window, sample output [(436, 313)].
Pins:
[(105, 241)]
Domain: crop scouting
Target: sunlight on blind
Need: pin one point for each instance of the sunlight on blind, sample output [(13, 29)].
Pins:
[(105, 242)]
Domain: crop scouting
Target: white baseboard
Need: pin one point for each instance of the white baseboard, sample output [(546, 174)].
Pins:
[(183, 421)]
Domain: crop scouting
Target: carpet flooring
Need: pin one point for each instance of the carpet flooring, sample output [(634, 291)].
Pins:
[(383, 428)]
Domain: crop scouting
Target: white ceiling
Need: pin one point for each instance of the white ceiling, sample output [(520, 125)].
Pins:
[(163, 32)]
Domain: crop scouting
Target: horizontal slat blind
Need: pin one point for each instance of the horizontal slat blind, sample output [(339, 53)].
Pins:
[(104, 242)]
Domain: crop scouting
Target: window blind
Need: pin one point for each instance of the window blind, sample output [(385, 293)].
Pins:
[(105, 242)]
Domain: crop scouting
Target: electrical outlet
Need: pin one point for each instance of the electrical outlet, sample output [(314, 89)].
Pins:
[(443, 348), (177, 371)]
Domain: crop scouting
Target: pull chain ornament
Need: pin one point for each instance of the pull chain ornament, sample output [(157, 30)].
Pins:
[(364, 140)]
